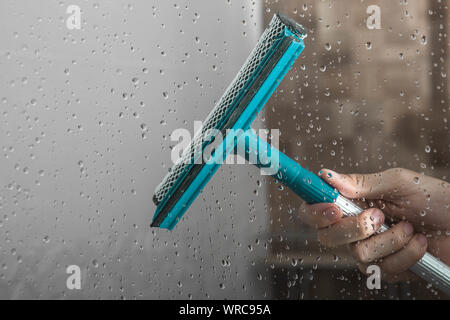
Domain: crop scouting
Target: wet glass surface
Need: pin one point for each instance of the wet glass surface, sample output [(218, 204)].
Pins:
[(86, 117)]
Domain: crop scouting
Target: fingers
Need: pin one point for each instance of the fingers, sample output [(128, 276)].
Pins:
[(383, 244), (395, 267), (406, 257), (372, 186), (351, 229), (320, 215), (335, 230), (439, 246), (390, 278)]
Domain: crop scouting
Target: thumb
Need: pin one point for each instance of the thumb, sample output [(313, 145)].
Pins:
[(371, 186)]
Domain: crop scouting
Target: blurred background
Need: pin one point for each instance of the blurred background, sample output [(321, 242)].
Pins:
[(86, 117)]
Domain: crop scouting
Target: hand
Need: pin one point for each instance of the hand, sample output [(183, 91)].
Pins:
[(420, 206)]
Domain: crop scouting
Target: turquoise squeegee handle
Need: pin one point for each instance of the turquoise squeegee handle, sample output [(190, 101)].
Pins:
[(313, 189), (304, 183)]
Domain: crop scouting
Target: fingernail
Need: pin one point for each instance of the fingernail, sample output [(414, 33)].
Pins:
[(408, 228), (331, 174), (377, 217), (422, 240), (331, 214)]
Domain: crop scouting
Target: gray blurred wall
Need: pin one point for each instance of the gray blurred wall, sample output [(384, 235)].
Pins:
[(85, 123)]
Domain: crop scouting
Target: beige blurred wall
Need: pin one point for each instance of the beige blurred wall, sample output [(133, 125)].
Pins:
[(358, 100)]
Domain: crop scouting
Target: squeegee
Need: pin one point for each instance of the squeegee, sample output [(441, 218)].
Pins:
[(276, 51)]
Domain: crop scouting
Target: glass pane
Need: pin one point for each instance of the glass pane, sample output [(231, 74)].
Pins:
[(93, 97)]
